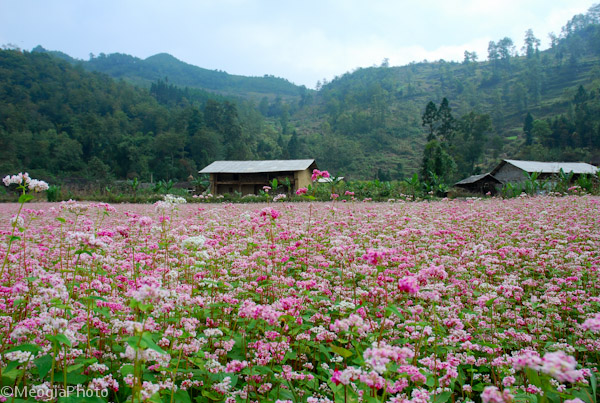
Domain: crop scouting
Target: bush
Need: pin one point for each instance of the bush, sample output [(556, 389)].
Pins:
[(53, 193)]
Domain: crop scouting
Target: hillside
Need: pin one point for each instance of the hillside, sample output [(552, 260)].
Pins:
[(143, 72), (371, 118), (60, 119)]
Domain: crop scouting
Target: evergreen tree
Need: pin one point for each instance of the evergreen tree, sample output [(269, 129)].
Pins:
[(293, 146), (429, 119), (527, 127)]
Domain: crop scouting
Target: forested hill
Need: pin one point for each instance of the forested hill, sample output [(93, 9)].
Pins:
[(372, 117), (59, 119), (163, 66)]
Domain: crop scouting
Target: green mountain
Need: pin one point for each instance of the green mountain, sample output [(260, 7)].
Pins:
[(144, 72), (122, 116)]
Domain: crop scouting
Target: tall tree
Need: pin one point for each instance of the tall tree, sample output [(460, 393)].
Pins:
[(429, 119), (532, 44), (527, 128), (447, 123)]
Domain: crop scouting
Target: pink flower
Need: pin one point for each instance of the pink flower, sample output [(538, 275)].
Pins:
[(491, 394), (319, 174), (408, 284), (269, 211), (561, 366), (592, 324), (301, 191)]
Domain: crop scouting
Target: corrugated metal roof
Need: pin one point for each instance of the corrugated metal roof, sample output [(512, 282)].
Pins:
[(475, 178), (234, 167), (553, 167)]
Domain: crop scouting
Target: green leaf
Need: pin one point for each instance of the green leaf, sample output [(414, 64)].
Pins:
[(76, 379), (443, 397), (155, 398), (12, 365), (80, 251), (393, 309), (74, 367), (490, 302), (64, 340), (182, 396), (341, 351), (211, 395), (147, 339), (32, 348), (594, 384), (533, 377), (583, 395), (24, 198), (60, 219), (43, 365), (132, 341), (126, 369)]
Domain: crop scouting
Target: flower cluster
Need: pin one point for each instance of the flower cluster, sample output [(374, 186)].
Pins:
[(316, 175), (23, 180)]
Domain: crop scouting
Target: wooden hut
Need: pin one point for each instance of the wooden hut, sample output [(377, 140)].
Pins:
[(483, 183), (249, 177)]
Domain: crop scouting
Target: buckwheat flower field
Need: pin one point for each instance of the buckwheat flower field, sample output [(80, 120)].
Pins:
[(447, 301)]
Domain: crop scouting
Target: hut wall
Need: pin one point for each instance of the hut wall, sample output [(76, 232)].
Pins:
[(510, 173), (302, 179)]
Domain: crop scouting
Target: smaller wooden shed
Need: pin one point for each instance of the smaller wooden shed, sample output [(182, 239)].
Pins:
[(483, 183), (249, 177), (513, 171)]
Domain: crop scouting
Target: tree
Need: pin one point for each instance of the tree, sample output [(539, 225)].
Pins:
[(237, 147), (540, 130), (429, 119), (473, 130), (527, 127), (447, 123), (493, 54), (437, 163), (470, 57), (532, 45), (506, 49), (293, 146), (213, 115)]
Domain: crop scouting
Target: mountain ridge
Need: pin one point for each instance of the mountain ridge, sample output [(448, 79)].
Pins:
[(163, 65)]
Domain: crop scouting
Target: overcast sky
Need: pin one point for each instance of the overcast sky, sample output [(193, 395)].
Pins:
[(300, 40)]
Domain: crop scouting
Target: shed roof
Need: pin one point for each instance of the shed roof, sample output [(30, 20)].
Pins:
[(477, 178), (549, 167), (257, 166)]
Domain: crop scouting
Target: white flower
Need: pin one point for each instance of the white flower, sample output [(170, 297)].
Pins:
[(23, 179), (37, 185), (213, 332), (17, 221), (174, 199), (194, 242), (21, 356)]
